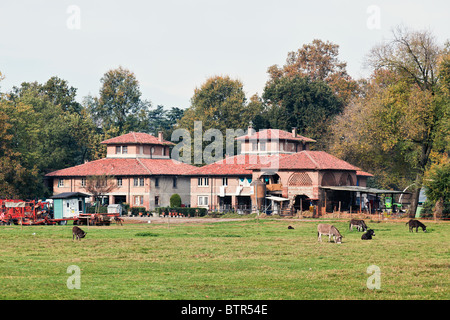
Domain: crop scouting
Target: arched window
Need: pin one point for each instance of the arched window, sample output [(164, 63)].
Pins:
[(328, 179)]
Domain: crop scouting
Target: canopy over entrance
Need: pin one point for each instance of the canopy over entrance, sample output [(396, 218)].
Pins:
[(356, 198), (362, 189)]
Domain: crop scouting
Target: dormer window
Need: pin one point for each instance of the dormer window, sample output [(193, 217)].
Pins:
[(121, 149)]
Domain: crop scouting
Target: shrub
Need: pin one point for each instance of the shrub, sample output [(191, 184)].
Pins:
[(175, 201), (136, 210)]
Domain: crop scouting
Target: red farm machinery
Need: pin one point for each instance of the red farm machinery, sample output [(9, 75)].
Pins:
[(20, 212), (25, 212)]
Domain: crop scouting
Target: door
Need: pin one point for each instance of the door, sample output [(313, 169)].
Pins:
[(70, 208)]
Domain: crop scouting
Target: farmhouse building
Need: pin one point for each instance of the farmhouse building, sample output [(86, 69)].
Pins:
[(275, 171), (141, 165)]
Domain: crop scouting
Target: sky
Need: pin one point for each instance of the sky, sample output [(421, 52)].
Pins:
[(173, 46)]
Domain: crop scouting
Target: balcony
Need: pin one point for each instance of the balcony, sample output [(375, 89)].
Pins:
[(274, 187)]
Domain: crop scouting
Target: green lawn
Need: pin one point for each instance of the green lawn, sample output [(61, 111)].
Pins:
[(226, 260)]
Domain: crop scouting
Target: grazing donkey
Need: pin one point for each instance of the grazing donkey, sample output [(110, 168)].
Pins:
[(77, 233), (359, 224), (368, 235), (328, 230), (416, 224), (118, 220)]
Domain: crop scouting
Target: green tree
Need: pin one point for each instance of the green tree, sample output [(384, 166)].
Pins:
[(319, 61), (12, 174), (402, 115), (220, 103), (437, 183), (119, 103), (302, 103), (46, 133)]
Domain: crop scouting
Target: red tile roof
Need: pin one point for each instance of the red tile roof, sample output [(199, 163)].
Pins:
[(136, 138), (238, 165), (125, 167), (363, 173), (311, 160), (268, 134)]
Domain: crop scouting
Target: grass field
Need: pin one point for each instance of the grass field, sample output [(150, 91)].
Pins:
[(251, 259)]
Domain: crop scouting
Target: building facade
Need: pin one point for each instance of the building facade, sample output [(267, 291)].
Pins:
[(275, 171), (140, 164)]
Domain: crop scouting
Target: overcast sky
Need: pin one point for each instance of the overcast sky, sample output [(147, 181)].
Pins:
[(174, 46)]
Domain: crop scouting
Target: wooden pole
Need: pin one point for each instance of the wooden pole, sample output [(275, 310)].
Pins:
[(339, 212)]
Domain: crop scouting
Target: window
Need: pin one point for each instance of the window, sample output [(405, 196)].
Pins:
[(138, 182), (121, 149), (119, 182), (156, 182), (138, 200), (203, 200), (174, 182), (203, 182), (83, 182), (254, 146), (61, 183), (156, 201), (225, 181), (262, 146)]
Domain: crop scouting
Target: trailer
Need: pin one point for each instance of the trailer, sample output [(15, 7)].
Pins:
[(95, 219)]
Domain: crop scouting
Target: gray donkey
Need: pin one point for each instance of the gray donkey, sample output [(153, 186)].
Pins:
[(328, 230)]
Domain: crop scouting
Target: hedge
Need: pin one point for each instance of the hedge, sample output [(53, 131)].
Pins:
[(187, 212), (136, 210)]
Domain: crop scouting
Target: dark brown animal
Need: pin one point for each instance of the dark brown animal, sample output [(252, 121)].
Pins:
[(368, 235), (416, 224), (118, 220), (290, 227), (78, 233)]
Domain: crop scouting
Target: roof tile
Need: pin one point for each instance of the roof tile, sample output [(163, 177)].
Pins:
[(126, 167), (136, 138)]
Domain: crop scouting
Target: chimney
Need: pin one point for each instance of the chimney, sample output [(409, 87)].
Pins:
[(160, 136), (250, 130), (294, 131)]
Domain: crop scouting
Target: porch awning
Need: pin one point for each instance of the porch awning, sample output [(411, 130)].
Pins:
[(362, 189), (66, 195), (275, 198)]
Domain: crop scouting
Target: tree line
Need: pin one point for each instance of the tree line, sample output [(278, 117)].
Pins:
[(394, 123)]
